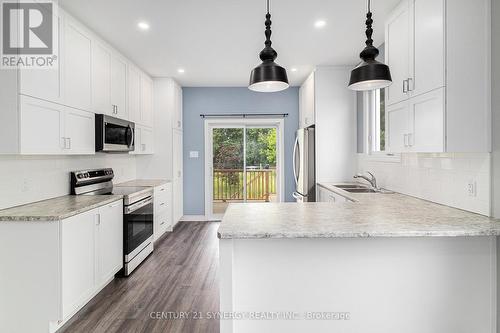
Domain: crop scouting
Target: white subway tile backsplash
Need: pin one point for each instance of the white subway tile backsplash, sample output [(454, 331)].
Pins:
[(441, 178)]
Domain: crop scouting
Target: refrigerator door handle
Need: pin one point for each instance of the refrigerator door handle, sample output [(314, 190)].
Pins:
[(297, 195), (295, 172)]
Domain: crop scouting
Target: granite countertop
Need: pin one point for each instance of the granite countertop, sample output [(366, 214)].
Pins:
[(366, 215), (56, 209), (144, 182)]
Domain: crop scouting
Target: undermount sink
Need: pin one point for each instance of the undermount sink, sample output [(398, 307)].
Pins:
[(351, 186), (359, 190)]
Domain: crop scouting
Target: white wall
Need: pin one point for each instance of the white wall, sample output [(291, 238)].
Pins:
[(25, 179), (495, 106), (336, 136), (159, 165), (441, 178)]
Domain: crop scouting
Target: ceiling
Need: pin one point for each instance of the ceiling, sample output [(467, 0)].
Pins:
[(217, 42)]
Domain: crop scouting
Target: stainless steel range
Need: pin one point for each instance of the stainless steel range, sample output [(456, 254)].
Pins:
[(137, 211)]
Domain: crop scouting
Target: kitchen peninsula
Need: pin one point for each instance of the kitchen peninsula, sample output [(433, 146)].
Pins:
[(374, 263)]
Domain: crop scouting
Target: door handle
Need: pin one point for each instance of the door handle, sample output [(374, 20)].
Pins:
[(412, 86), (405, 86), (295, 147)]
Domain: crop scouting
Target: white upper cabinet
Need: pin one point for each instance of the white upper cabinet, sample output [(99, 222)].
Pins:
[(101, 79), (134, 94), (119, 87), (52, 129), (44, 84), (146, 102), (77, 65), (440, 70), (177, 102), (428, 46), (307, 102), (109, 78), (78, 128), (397, 54), (41, 127)]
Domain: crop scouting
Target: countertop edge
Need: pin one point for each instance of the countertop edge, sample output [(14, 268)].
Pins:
[(53, 218)]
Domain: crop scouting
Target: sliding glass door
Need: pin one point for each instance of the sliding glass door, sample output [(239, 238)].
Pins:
[(244, 165)]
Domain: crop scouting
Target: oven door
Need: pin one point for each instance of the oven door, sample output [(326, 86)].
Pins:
[(114, 135), (138, 227)]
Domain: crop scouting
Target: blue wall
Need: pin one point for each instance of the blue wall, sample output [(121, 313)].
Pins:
[(198, 101)]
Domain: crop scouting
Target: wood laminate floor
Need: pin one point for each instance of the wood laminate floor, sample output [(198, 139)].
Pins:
[(180, 276)]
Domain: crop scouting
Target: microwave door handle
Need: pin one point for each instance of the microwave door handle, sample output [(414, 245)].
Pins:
[(130, 142), (295, 148)]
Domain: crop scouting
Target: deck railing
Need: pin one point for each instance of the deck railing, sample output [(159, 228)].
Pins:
[(228, 184)]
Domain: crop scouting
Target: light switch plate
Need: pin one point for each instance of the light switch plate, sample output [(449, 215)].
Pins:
[(194, 154)]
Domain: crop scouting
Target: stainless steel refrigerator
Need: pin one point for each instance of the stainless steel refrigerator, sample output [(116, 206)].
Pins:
[(303, 165)]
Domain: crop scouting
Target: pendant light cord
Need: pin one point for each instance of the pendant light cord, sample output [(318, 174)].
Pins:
[(369, 29)]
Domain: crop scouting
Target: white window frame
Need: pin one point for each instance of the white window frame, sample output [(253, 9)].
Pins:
[(371, 101)]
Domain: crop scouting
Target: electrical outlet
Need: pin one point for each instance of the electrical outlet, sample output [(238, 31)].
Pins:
[(26, 185), (472, 188)]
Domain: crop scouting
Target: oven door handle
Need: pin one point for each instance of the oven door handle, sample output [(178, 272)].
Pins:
[(137, 205)]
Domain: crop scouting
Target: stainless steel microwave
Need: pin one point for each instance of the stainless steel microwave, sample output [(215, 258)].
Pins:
[(113, 134)]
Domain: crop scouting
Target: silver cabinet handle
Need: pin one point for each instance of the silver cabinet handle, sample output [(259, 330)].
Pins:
[(69, 143), (179, 123), (143, 147), (405, 86), (412, 86), (406, 140)]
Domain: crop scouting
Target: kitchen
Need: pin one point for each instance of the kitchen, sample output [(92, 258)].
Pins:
[(152, 183)]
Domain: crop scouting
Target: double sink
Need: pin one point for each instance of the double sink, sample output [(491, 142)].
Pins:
[(353, 188)]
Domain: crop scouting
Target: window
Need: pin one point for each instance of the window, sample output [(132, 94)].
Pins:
[(377, 136), (372, 125)]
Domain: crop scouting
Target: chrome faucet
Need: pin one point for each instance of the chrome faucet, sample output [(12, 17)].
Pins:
[(372, 180)]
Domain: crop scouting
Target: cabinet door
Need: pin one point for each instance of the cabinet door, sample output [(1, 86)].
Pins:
[(78, 260), (134, 94), (147, 140), (177, 177), (77, 66), (426, 122), (79, 128), (397, 52), (44, 84), (146, 100), (119, 87), (41, 126), (177, 121), (110, 241), (397, 127), (137, 141), (101, 83), (429, 41), (307, 102)]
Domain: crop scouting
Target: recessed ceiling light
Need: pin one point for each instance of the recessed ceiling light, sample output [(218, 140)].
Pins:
[(319, 24), (143, 25), (180, 70), (293, 69)]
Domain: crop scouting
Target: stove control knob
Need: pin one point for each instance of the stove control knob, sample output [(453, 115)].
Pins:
[(79, 176)]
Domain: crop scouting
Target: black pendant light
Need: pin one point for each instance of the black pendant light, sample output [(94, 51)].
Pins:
[(268, 76), (370, 74)]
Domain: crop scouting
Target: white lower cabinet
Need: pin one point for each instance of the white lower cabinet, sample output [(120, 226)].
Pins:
[(325, 195), (110, 241), (91, 252), (162, 210), (52, 129), (78, 258)]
